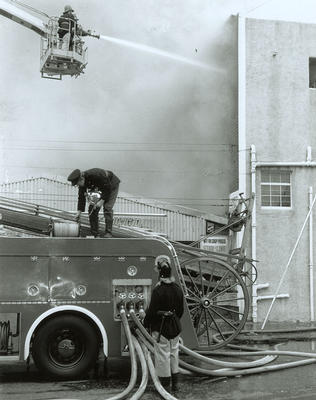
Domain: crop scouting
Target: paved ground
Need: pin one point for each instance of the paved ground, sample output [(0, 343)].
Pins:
[(294, 383)]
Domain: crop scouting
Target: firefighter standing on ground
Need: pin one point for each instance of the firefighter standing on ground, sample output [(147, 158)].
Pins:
[(163, 320), (101, 184)]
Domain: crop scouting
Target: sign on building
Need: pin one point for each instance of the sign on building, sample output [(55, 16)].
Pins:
[(215, 243)]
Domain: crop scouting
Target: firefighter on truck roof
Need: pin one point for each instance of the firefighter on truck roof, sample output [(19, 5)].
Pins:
[(100, 188)]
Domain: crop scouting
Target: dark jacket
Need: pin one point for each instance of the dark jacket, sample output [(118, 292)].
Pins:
[(97, 179), (165, 297), (67, 23)]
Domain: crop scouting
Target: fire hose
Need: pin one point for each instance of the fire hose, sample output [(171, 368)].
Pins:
[(202, 358), (140, 342), (131, 347), (143, 354), (142, 387), (233, 369), (166, 395), (4, 335)]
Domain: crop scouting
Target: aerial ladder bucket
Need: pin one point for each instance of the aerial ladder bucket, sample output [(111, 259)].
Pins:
[(60, 56)]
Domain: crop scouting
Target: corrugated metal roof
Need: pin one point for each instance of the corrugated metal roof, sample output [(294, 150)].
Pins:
[(177, 222)]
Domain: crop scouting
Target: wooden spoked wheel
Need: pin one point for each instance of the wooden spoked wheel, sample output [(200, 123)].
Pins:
[(217, 299)]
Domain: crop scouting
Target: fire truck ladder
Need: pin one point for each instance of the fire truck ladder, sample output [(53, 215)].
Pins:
[(48, 221)]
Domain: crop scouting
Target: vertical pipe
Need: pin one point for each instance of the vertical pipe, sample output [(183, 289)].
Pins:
[(254, 231), (311, 257), (242, 103), (241, 112), (309, 154)]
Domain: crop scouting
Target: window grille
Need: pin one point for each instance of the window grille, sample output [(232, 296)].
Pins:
[(275, 188)]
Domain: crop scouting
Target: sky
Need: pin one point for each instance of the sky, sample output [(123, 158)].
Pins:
[(168, 129), (284, 10)]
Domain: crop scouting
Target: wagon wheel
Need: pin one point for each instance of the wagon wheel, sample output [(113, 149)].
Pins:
[(217, 299), (248, 271)]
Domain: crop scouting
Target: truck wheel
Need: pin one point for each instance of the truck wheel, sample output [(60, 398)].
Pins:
[(66, 346)]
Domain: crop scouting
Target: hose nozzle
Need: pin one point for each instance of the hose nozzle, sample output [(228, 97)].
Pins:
[(93, 34)]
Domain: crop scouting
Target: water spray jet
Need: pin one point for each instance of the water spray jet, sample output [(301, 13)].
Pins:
[(163, 53)]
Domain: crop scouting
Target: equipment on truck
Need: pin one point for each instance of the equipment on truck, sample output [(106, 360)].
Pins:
[(70, 289), (57, 57)]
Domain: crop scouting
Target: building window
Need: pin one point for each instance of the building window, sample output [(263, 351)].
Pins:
[(312, 73), (275, 188)]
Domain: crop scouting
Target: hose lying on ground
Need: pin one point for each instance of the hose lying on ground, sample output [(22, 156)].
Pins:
[(265, 352), (232, 371), (240, 372), (241, 365), (265, 360)]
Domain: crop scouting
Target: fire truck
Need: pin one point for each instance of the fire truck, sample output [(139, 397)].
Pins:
[(61, 292)]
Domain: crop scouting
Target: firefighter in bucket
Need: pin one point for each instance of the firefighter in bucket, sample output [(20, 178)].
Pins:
[(69, 30), (162, 319)]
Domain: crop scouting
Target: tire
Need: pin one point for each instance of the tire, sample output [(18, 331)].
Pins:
[(66, 346)]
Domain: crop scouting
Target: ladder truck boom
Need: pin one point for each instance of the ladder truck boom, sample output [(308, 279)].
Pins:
[(23, 18)]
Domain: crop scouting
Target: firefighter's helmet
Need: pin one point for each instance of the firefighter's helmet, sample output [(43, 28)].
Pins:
[(68, 8), (162, 262)]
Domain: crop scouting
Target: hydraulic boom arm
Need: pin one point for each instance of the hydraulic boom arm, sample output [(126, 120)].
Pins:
[(22, 17)]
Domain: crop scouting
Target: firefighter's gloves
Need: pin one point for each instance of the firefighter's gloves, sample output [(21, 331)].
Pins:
[(99, 204)]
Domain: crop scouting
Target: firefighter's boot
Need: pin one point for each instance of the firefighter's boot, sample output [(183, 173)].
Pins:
[(94, 221), (165, 382), (108, 225), (175, 383)]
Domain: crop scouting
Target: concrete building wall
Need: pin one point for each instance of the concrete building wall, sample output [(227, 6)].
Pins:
[(281, 124), (279, 102)]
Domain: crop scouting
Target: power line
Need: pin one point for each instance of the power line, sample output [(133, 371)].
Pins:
[(258, 6), (119, 143), (177, 150), (131, 171)]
